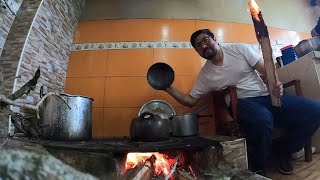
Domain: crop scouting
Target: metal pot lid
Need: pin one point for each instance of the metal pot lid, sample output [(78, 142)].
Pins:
[(159, 107)]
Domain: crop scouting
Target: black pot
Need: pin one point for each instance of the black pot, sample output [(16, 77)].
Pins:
[(160, 76), (149, 127)]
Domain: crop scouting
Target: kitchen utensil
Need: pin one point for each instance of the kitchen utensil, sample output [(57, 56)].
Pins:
[(160, 76), (307, 45), (201, 109), (187, 124), (149, 127), (67, 119), (159, 107)]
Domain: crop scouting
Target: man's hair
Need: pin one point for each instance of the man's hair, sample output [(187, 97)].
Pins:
[(197, 33)]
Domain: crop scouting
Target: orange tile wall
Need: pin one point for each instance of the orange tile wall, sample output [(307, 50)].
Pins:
[(116, 79)]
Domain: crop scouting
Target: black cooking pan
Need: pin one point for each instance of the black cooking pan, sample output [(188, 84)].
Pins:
[(160, 76)]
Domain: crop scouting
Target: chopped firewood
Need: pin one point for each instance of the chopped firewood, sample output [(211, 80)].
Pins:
[(24, 90), (143, 171), (2, 87), (182, 175), (173, 170), (33, 107), (27, 126)]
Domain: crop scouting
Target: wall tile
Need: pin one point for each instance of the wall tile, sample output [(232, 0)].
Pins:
[(127, 92), (117, 121), (133, 62), (229, 32), (182, 83), (304, 36), (97, 122), (294, 37), (93, 31), (91, 87), (182, 61), (173, 30), (279, 34), (87, 63), (131, 30)]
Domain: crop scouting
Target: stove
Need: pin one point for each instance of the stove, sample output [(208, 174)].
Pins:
[(125, 145)]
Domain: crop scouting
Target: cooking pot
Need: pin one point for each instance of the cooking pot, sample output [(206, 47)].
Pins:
[(307, 45), (67, 119), (187, 124), (160, 76), (149, 127)]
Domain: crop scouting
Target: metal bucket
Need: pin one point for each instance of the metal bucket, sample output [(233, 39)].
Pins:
[(67, 120)]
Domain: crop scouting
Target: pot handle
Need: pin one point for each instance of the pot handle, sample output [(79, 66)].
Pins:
[(201, 116), (201, 109), (144, 114), (41, 91)]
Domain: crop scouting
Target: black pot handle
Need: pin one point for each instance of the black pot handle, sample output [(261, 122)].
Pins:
[(142, 115), (41, 91), (201, 116)]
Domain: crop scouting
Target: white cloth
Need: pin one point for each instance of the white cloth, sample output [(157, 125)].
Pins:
[(237, 69)]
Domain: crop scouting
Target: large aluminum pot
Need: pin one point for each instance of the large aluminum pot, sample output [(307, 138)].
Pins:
[(307, 45), (67, 119)]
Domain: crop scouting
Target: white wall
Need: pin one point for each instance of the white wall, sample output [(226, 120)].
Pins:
[(296, 15)]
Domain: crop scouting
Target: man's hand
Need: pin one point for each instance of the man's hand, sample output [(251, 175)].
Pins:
[(277, 90)]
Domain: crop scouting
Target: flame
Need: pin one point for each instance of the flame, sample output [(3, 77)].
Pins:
[(162, 165), (254, 9)]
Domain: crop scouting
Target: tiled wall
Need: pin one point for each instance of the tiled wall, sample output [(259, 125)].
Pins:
[(110, 59), (6, 20), (48, 45), (12, 49), (45, 44)]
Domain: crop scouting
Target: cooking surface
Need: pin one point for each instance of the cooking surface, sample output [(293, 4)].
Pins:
[(124, 145)]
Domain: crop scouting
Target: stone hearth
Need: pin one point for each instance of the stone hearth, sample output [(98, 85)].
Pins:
[(223, 160)]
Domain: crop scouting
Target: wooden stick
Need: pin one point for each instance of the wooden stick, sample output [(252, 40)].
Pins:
[(142, 171), (262, 35), (25, 89), (173, 169), (270, 69)]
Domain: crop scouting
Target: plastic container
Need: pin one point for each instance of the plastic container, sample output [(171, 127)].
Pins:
[(288, 54)]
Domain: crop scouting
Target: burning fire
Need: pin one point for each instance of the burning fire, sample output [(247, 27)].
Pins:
[(254, 9), (162, 164)]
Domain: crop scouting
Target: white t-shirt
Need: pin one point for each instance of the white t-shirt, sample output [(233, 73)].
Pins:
[(237, 69)]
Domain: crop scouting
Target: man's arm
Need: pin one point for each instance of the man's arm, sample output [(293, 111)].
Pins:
[(259, 66), (185, 99)]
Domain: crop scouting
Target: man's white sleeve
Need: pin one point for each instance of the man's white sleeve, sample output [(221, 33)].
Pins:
[(200, 88)]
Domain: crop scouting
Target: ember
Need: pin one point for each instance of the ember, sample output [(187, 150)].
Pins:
[(155, 165), (162, 164)]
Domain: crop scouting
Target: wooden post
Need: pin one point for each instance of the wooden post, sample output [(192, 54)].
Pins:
[(262, 35)]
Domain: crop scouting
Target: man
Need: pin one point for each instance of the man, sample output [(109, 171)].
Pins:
[(235, 64), (315, 3), (316, 30)]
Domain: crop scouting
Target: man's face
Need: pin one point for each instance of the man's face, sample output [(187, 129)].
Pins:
[(206, 46)]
